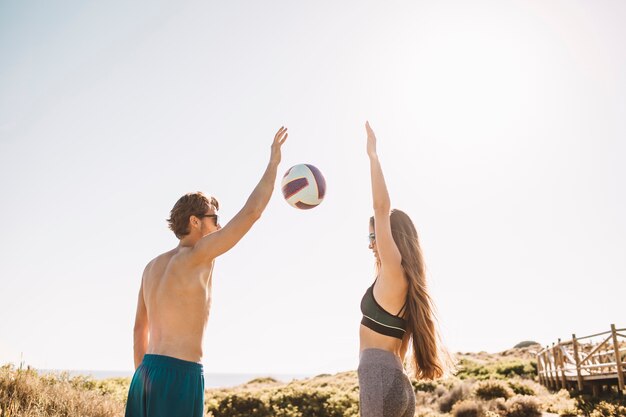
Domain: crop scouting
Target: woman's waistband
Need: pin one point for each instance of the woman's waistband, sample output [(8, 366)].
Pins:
[(380, 357)]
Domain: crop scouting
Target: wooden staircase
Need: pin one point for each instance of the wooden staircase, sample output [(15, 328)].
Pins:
[(587, 363)]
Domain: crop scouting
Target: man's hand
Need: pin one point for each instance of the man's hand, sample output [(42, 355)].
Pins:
[(279, 139), (371, 141)]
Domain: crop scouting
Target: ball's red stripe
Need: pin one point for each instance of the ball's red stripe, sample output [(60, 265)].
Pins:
[(304, 206), (294, 186), (319, 179)]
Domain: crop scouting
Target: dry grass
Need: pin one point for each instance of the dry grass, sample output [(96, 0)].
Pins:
[(25, 393), (485, 390)]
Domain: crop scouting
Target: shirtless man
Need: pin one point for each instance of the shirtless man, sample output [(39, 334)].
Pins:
[(175, 299)]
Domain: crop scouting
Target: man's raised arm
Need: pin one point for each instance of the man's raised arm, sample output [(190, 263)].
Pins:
[(215, 244)]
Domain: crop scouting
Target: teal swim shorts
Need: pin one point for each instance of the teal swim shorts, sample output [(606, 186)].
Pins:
[(166, 387)]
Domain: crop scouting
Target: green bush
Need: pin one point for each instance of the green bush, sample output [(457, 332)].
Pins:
[(526, 369), (561, 403), (322, 396), (606, 409), (524, 344), (608, 405), (262, 380), (468, 369), (302, 403), (497, 406), (490, 389), (523, 406), (468, 408), (424, 386), (521, 388), (458, 392), (239, 405)]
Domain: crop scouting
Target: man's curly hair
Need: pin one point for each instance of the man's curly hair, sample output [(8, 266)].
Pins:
[(191, 204)]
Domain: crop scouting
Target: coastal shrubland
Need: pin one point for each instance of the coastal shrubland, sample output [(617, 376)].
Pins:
[(23, 392), (486, 385)]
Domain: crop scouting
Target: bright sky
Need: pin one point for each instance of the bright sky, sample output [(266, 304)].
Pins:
[(501, 129)]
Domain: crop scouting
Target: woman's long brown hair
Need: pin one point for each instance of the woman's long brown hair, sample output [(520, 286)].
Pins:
[(429, 359)]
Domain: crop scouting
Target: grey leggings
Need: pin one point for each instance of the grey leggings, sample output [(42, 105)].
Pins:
[(384, 388)]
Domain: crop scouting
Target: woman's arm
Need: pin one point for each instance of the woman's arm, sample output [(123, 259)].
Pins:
[(388, 253)]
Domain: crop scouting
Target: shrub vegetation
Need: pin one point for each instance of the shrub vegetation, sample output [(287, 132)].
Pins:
[(488, 385)]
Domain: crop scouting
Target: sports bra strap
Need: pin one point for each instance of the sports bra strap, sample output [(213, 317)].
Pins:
[(402, 309), (403, 305)]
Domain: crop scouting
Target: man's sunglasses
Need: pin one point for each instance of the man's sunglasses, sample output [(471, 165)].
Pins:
[(215, 216), (372, 237)]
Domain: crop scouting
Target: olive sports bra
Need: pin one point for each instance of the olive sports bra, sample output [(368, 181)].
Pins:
[(378, 319)]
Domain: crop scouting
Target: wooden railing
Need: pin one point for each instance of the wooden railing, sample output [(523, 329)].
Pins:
[(582, 362)]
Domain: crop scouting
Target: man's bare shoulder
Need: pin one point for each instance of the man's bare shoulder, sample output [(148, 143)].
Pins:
[(160, 261)]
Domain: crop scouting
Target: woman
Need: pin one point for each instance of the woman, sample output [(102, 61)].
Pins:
[(397, 310)]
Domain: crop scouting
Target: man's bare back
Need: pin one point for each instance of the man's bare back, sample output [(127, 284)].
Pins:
[(178, 301)]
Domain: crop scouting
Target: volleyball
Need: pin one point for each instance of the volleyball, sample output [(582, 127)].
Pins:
[(303, 186)]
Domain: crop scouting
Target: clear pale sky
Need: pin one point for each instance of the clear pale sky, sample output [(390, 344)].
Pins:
[(501, 128)]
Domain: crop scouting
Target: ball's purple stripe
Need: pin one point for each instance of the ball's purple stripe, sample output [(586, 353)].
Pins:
[(319, 179), (304, 206), (294, 186), (288, 171)]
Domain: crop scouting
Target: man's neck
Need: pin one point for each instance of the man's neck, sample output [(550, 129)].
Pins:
[(188, 241)]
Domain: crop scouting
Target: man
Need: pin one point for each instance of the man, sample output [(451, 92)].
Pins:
[(175, 299)]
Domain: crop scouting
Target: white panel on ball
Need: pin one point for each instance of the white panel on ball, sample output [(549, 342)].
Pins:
[(303, 186)]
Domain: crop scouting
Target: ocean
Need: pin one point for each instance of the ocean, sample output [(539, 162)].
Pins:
[(211, 380)]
